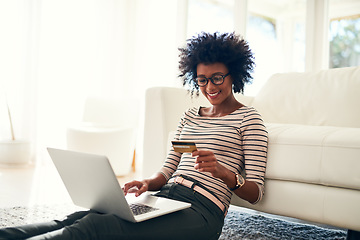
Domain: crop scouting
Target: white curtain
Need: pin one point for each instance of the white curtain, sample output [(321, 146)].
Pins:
[(55, 53)]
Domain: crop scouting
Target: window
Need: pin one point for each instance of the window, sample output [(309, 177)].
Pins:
[(344, 42), (276, 34), (298, 59), (262, 38), (209, 16), (275, 31)]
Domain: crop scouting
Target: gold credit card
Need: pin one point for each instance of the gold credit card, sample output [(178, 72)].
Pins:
[(184, 146)]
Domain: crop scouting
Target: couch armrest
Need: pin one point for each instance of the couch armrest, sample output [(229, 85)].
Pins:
[(163, 108)]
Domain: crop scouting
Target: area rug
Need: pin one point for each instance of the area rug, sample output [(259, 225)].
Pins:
[(238, 224)]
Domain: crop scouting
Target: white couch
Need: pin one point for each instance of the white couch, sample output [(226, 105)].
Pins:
[(313, 120)]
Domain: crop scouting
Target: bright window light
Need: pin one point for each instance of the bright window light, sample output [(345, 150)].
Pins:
[(210, 16), (344, 42), (262, 38)]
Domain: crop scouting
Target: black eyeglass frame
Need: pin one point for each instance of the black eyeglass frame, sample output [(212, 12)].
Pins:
[(211, 79)]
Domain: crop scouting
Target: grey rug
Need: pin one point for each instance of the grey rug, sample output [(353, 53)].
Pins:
[(238, 224)]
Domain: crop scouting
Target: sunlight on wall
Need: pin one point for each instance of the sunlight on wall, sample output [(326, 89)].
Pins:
[(56, 53), (96, 51), (69, 65), (15, 74)]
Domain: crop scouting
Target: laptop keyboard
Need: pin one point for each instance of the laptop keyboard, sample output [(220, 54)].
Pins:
[(138, 209)]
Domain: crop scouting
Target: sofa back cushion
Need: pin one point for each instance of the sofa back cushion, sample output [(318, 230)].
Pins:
[(326, 98)]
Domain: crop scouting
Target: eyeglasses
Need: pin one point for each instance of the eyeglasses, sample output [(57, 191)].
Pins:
[(216, 79)]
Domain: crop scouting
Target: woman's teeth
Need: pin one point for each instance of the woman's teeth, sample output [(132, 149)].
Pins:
[(213, 94)]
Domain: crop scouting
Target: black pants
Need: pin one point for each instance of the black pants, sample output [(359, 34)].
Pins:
[(353, 235), (204, 220)]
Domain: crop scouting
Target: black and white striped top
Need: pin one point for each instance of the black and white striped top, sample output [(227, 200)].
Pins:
[(238, 140)]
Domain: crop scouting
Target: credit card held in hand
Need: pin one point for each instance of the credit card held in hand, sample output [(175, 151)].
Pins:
[(184, 146)]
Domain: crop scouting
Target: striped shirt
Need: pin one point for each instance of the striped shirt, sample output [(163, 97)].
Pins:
[(238, 140)]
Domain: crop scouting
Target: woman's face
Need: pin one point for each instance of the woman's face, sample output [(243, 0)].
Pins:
[(215, 94)]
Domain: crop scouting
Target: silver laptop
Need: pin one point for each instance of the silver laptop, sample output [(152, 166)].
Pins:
[(91, 183)]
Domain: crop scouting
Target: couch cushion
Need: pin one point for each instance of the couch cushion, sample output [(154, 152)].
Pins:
[(327, 98), (314, 154)]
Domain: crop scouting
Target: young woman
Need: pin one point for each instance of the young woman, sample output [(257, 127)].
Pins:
[(231, 156)]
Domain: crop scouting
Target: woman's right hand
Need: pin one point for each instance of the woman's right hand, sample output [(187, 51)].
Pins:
[(153, 183), (137, 187)]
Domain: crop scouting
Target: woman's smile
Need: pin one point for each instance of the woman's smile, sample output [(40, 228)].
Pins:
[(213, 95)]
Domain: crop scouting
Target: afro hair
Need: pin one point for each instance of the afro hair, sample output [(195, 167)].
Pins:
[(226, 48)]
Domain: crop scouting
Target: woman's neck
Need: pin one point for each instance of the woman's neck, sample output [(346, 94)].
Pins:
[(222, 109)]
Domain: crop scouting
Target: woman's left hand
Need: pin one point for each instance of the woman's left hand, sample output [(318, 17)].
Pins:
[(207, 162)]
